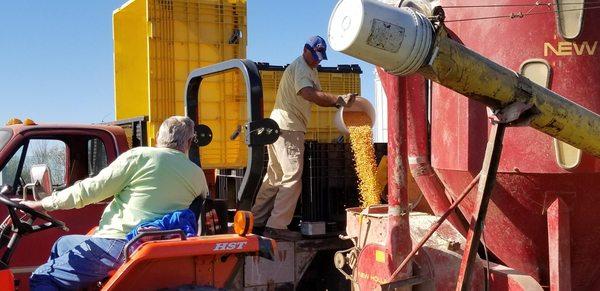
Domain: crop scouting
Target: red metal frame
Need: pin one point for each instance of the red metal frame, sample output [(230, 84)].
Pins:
[(559, 245), (487, 181)]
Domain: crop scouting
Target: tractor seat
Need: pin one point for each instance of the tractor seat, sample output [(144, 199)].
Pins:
[(211, 215)]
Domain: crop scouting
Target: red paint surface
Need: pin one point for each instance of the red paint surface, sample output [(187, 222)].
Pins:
[(442, 266), (529, 178), (7, 280), (418, 150), (373, 269)]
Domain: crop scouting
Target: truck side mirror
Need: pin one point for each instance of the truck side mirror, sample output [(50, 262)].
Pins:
[(40, 177), (6, 190)]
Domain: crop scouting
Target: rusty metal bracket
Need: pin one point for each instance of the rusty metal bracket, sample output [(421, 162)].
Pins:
[(484, 195), (514, 114)]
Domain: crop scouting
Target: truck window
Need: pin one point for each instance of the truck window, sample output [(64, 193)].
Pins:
[(5, 135), (50, 152), (9, 172), (97, 159)]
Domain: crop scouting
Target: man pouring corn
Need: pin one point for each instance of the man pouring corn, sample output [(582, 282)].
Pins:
[(298, 90)]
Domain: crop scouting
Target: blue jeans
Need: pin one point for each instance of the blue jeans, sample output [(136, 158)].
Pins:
[(77, 261)]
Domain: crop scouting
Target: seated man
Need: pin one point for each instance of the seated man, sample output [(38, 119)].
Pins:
[(146, 184)]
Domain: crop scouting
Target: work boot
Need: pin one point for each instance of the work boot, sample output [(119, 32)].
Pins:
[(282, 234)]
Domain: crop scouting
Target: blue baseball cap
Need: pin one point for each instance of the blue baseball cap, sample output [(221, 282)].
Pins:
[(317, 46)]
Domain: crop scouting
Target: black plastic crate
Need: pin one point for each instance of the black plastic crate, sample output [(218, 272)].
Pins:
[(329, 182), (314, 186), (228, 183)]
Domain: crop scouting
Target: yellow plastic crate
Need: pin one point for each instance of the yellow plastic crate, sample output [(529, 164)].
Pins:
[(157, 43), (225, 112), (336, 80), (222, 107)]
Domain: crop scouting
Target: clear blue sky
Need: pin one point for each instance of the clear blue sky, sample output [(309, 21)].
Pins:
[(56, 61)]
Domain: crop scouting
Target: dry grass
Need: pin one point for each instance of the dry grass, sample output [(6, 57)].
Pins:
[(361, 141)]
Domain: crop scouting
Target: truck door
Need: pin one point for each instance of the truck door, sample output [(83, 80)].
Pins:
[(71, 155)]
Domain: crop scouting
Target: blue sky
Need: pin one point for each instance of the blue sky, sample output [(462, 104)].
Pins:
[(56, 61)]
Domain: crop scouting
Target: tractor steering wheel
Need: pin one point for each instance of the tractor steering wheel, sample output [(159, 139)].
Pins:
[(24, 227)]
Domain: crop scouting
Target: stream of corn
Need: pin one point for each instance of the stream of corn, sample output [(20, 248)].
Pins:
[(361, 141)]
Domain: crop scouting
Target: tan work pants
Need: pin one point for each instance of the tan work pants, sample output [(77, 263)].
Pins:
[(282, 184)]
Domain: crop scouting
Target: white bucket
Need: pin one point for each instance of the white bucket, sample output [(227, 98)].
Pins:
[(360, 105), (396, 39)]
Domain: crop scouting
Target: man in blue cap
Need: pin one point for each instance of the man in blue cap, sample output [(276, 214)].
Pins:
[(298, 90)]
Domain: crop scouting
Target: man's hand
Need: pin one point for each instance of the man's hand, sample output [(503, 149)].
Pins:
[(35, 205), (346, 100)]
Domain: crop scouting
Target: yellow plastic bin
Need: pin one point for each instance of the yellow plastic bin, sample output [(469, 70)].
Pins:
[(158, 43), (341, 79)]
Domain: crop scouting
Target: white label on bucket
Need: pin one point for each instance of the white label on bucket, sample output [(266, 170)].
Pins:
[(385, 35)]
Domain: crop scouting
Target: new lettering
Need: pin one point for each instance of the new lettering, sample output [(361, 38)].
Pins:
[(565, 48)]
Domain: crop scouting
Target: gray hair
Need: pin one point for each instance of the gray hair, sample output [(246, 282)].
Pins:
[(174, 132)]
